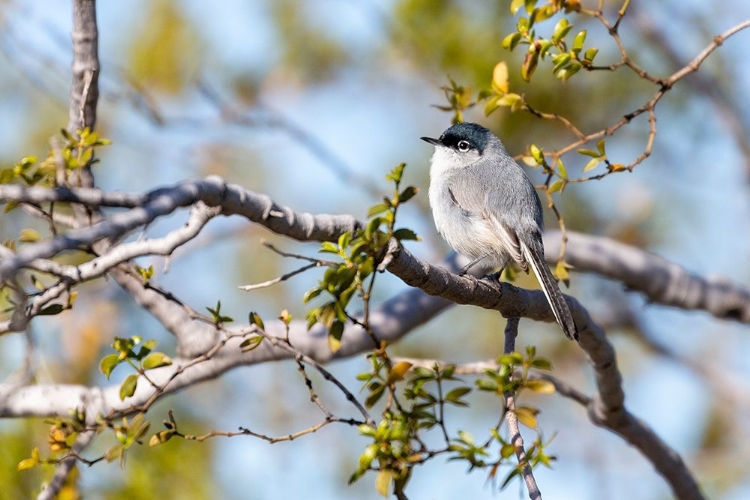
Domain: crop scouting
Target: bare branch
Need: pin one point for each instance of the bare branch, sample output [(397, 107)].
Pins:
[(511, 332), (661, 281)]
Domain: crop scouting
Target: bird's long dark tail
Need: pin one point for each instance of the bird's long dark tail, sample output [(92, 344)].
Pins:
[(535, 256)]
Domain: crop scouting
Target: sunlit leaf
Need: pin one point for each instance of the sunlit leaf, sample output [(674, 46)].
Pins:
[(108, 363), (128, 386), (500, 78), (156, 360), (383, 481)]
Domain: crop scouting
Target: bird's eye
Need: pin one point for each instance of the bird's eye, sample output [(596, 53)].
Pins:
[(463, 146)]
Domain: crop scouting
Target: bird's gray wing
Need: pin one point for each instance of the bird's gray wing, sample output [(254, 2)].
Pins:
[(471, 194)]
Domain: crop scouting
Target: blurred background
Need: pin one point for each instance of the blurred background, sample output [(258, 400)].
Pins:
[(313, 102)]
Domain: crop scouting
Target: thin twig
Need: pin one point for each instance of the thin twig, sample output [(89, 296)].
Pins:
[(284, 277), (511, 332)]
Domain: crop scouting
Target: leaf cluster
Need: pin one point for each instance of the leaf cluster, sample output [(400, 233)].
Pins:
[(360, 252), (142, 360)]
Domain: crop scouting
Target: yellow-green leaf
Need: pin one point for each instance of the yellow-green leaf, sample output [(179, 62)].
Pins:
[(128, 386), (156, 360), (29, 236), (492, 105), (541, 386), (600, 147), (555, 186), (592, 164), (251, 343), (334, 335), (527, 416), (561, 272), (108, 363), (383, 481), (398, 371), (500, 77), (27, 463), (515, 5)]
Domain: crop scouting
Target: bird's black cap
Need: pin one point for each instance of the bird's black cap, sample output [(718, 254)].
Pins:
[(475, 134)]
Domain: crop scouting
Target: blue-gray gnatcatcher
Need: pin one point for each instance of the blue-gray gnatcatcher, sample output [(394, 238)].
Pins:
[(486, 208)]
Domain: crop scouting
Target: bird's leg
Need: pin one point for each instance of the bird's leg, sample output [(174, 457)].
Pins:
[(495, 277), (473, 263)]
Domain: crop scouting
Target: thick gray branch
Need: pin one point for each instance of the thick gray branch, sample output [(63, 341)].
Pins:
[(84, 92), (213, 191), (661, 281)]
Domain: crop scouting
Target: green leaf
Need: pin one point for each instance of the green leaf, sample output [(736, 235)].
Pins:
[(600, 147), (114, 452), (108, 363), (588, 152), (561, 29), (492, 105), (555, 186), (578, 42), (515, 101), (455, 395), (515, 5), (328, 247), (334, 335), (511, 41), (484, 384), (311, 294), (507, 451), (562, 169), (374, 396), (407, 194), (573, 68), (398, 171), (52, 310), (156, 360), (128, 386), (371, 451), (536, 153), (465, 437), (592, 164), (383, 481), (251, 343), (160, 438), (405, 234), (544, 13), (344, 239), (377, 209), (372, 226), (590, 54), (541, 364), (255, 320)]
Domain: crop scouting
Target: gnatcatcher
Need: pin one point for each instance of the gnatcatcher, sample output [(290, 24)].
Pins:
[(486, 208)]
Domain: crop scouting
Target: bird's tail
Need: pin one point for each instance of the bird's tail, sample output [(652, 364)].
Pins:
[(535, 257)]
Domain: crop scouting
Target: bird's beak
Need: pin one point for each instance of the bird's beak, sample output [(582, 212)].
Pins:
[(430, 140)]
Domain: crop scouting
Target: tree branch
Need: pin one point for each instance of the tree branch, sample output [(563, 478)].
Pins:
[(661, 281), (511, 332)]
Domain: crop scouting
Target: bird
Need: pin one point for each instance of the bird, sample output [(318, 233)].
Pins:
[(487, 209)]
